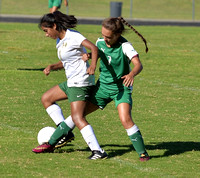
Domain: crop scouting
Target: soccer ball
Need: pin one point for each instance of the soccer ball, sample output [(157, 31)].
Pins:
[(45, 134)]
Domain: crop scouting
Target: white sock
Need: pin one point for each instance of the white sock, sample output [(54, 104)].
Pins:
[(55, 113), (132, 130), (69, 122), (90, 138)]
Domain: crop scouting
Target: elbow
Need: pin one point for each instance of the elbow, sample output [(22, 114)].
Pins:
[(95, 49)]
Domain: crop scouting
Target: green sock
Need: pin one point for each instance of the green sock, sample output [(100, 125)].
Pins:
[(138, 143), (61, 131)]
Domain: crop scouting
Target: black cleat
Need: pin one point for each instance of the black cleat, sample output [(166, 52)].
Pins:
[(67, 138), (98, 155)]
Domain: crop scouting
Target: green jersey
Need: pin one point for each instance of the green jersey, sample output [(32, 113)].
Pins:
[(114, 62)]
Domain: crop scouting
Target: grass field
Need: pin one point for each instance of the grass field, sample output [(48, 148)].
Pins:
[(166, 108), (148, 9)]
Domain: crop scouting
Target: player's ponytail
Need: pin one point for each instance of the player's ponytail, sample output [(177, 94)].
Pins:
[(115, 24), (130, 26), (62, 21)]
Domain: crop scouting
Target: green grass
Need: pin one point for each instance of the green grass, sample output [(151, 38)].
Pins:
[(149, 9), (166, 107)]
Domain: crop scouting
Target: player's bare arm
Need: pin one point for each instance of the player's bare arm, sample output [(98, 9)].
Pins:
[(129, 79), (94, 50), (56, 66)]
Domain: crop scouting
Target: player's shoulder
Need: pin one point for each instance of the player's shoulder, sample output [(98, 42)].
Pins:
[(72, 31), (122, 39), (72, 34), (124, 42), (99, 41)]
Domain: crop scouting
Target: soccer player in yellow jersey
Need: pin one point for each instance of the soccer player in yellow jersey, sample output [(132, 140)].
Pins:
[(80, 79)]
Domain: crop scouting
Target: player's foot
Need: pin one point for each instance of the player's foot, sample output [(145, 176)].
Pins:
[(44, 148), (144, 157), (98, 155), (67, 138)]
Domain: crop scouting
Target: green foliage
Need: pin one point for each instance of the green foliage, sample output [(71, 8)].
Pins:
[(148, 9), (166, 107)]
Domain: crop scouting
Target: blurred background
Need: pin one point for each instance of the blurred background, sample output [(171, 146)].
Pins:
[(136, 9)]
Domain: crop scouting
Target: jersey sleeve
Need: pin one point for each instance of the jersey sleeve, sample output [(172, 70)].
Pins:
[(129, 50)]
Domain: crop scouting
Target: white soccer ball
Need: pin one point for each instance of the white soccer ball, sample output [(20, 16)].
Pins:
[(45, 134)]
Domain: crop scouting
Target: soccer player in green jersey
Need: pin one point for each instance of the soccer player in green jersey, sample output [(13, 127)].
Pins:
[(116, 80), (54, 5)]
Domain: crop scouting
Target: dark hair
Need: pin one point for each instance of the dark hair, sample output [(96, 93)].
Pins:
[(62, 21), (116, 25)]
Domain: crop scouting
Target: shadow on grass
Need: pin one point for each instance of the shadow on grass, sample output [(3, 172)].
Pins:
[(172, 148), (28, 69)]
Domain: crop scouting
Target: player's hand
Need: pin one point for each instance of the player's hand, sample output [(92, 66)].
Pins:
[(66, 2), (47, 70), (91, 70), (127, 80), (85, 57)]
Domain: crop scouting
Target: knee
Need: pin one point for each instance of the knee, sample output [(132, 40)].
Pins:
[(79, 121), (76, 118), (127, 122), (44, 98)]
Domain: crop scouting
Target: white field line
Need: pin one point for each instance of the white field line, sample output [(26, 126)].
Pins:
[(16, 128)]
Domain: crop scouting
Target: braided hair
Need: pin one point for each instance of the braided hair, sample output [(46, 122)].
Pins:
[(115, 24), (62, 21)]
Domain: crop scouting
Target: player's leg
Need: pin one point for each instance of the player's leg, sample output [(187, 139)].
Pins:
[(68, 124), (50, 5), (49, 99), (124, 110), (90, 107), (52, 95), (56, 5), (123, 102), (61, 137), (53, 9), (63, 134), (77, 113)]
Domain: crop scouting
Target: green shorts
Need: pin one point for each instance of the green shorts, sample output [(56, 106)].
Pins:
[(101, 96), (56, 3), (76, 93)]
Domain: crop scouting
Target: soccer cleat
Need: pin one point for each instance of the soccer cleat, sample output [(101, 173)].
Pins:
[(144, 157), (44, 148), (67, 138), (98, 155)]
